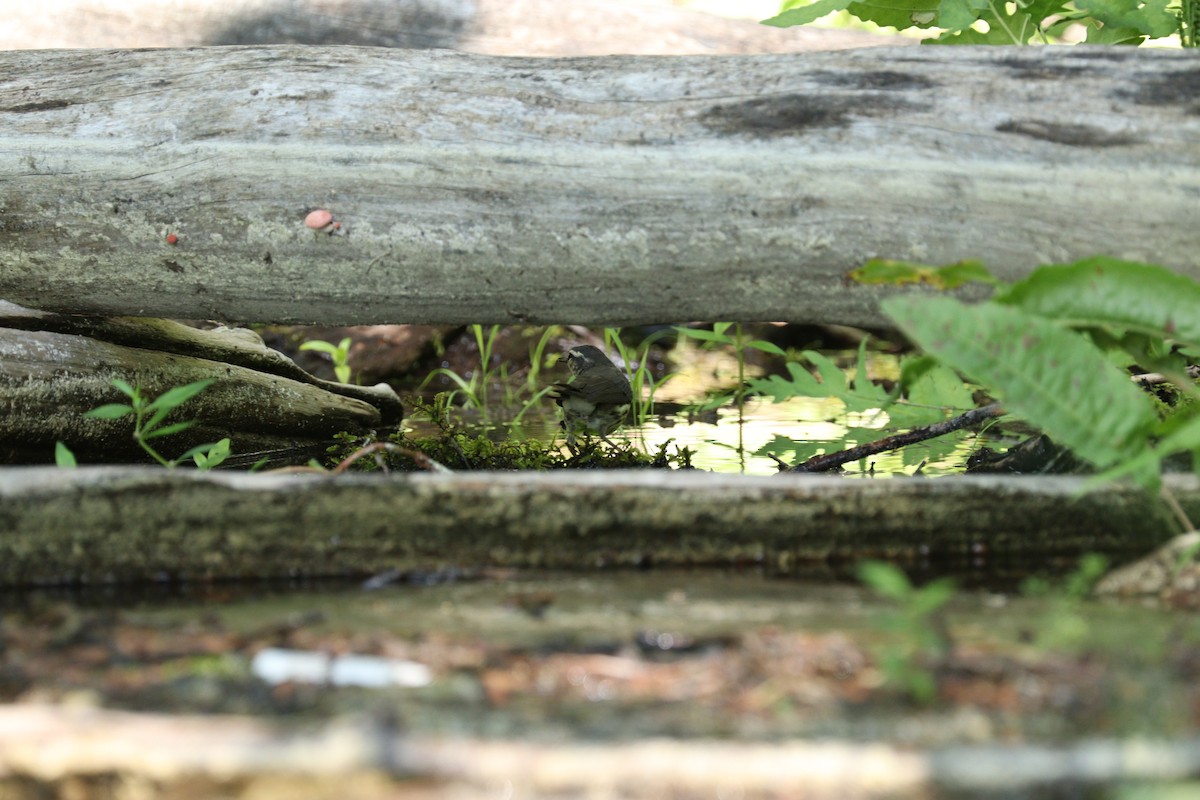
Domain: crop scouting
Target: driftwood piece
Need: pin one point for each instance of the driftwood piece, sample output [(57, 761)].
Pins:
[(595, 190), (53, 368), (128, 524)]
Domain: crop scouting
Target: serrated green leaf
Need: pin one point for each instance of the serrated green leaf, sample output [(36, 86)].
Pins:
[(833, 380), (940, 386), (806, 14), (801, 383), (898, 14), (109, 411), (1053, 377), (1149, 17), (1107, 291), (955, 15), (1112, 35)]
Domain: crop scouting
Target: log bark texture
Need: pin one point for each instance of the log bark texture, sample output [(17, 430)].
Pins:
[(593, 190), (112, 523), (55, 368)]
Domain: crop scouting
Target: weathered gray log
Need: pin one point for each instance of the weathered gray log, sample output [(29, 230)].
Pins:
[(126, 524), (605, 190), (54, 368)]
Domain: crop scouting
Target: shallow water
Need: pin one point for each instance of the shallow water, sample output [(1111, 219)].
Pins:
[(696, 653), (724, 443)]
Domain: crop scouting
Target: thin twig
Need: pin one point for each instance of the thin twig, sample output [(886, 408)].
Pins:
[(828, 461)]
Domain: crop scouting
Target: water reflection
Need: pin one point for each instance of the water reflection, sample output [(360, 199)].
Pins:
[(792, 430)]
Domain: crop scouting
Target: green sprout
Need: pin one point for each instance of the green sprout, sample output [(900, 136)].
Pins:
[(149, 416), (338, 353)]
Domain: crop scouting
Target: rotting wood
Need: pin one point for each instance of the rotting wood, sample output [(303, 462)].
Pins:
[(591, 190), (100, 524)]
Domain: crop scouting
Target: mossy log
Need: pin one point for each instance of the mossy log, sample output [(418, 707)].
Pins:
[(474, 189), (54, 368), (98, 524)]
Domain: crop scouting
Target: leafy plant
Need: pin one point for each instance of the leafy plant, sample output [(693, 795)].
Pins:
[(1053, 347), (338, 353), (934, 392), (149, 417), (1020, 22), (637, 370), (921, 641), (738, 341)]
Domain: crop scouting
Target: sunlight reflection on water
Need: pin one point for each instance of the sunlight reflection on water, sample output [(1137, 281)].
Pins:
[(805, 420), (820, 424)]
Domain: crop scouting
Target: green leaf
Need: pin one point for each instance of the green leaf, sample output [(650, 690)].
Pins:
[(124, 387), (63, 457), (939, 386), (320, 347), (806, 14), (832, 378), (1111, 35), (886, 579), (174, 398), (961, 273), (1054, 378), (899, 14), (1148, 17), (897, 273), (932, 596), (208, 456), (174, 427), (767, 347), (955, 15), (1145, 466), (109, 411), (704, 335), (1107, 291)]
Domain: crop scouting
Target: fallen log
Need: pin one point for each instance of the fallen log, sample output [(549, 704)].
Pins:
[(111, 523), (466, 188), (55, 368)]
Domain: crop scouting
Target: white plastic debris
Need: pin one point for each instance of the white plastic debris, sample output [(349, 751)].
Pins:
[(276, 665)]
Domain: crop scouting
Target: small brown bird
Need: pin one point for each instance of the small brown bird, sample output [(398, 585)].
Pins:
[(597, 400)]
